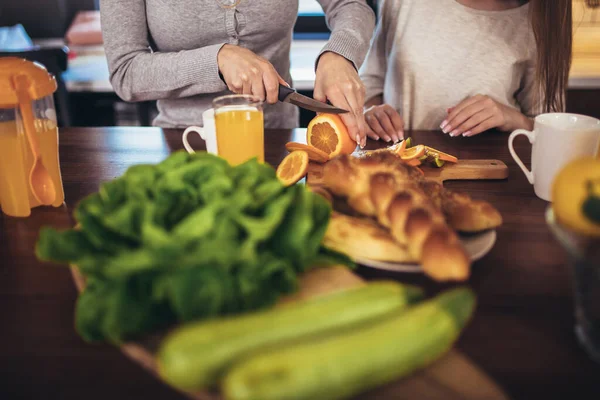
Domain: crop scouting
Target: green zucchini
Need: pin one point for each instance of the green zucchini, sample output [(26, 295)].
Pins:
[(342, 366), (196, 356)]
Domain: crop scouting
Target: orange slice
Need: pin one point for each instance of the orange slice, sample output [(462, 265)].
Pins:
[(413, 162), (293, 167), (328, 133), (439, 154), (314, 154), (413, 153), (401, 148)]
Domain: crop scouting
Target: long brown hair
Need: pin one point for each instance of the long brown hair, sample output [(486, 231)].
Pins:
[(552, 23)]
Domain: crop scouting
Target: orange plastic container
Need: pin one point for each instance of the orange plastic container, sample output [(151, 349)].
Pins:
[(16, 158)]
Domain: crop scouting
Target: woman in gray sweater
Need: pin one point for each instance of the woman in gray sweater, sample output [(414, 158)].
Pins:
[(184, 53)]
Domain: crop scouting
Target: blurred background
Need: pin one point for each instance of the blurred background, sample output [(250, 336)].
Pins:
[(65, 36)]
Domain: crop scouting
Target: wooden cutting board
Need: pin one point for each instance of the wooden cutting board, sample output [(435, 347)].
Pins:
[(462, 170), (452, 377)]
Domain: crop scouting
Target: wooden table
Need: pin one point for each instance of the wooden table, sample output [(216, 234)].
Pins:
[(522, 333)]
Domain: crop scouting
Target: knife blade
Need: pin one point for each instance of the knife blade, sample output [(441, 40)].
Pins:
[(289, 95)]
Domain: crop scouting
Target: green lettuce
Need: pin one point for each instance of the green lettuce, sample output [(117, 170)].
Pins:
[(186, 239)]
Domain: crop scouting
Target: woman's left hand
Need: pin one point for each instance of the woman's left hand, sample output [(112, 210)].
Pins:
[(338, 81), (480, 113)]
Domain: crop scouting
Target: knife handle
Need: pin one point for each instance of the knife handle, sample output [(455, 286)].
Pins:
[(284, 92)]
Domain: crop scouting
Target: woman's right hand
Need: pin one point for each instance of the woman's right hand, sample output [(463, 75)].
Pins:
[(247, 73), (384, 122)]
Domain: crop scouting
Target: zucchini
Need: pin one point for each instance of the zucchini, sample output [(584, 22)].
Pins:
[(342, 366), (195, 356)]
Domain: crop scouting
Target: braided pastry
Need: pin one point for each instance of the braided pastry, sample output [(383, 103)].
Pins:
[(380, 186)]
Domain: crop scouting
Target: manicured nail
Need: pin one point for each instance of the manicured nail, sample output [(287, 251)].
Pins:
[(447, 129), (357, 138), (401, 135), (467, 134), (443, 125), (454, 133), (388, 139)]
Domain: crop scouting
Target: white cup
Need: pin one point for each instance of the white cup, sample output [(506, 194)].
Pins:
[(208, 133), (557, 139)]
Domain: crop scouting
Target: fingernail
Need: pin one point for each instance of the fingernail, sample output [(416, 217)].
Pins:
[(447, 129), (467, 134), (401, 135), (388, 139), (454, 133), (377, 138), (357, 138), (443, 125)]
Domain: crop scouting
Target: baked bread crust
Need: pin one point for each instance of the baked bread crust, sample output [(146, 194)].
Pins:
[(421, 215)]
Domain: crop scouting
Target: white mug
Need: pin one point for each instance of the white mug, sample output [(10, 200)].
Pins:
[(208, 133), (557, 139)]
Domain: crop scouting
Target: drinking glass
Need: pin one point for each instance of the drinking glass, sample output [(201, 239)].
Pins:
[(584, 262), (240, 128)]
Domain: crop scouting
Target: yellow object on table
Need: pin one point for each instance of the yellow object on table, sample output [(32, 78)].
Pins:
[(239, 124), (16, 157), (576, 196)]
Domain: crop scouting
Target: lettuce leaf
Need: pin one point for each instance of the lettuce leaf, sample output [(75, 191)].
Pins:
[(189, 238)]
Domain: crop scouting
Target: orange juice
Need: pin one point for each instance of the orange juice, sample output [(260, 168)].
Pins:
[(16, 161), (240, 133)]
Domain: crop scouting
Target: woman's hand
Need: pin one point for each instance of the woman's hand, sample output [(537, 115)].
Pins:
[(384, 122), (480, 113), (338, 82), (246, 73)]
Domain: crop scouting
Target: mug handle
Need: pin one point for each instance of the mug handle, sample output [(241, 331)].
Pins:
[(531, 136), (196, 129)]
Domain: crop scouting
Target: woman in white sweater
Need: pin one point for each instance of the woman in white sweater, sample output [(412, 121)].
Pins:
[(466, 66)]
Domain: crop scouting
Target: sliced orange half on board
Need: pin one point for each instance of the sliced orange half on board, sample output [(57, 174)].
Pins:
[(314, 154), (434, 153), (328, 133), (413, 153), (293, 167)]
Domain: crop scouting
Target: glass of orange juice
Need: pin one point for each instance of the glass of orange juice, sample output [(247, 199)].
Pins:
[(240, 128)]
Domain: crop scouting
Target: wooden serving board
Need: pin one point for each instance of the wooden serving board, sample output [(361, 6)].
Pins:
[(452, 377), (462, 170)]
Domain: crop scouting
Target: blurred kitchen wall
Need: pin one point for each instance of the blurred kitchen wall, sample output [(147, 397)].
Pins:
[(42, 18)]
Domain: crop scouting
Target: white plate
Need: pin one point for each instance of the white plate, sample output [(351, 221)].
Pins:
[(477, 246)]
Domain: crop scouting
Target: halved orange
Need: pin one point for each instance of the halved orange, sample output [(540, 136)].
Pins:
[(314, 154), (413, 153), (401, 148), (328, 133), (293, 167), (434, 153)]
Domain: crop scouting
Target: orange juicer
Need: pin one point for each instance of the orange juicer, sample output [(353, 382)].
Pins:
[(29, 162)]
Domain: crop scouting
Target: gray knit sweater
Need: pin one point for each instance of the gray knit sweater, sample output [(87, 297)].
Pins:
[(166, 50)]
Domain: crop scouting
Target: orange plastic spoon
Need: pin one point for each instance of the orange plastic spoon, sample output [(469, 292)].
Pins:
[(40, 180)]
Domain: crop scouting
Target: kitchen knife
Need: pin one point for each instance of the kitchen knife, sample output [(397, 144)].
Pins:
[(289, 95)]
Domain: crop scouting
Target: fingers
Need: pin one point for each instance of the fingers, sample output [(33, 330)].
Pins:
[(372, 135), (396, 120), (445, 126), (454, 126), (375, 126), (271, 80), (386, 124), (473, 121), (354, 94), (482, 127)]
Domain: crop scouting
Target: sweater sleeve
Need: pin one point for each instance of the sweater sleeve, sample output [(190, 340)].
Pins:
[(139, 74), (373, 70), (351, 23)]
